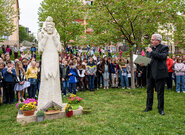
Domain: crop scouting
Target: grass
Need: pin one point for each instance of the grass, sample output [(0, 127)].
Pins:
[(114, 112)]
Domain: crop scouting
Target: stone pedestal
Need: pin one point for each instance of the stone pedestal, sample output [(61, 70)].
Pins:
[(28, 119)]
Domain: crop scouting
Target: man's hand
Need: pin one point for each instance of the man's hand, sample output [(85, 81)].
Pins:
[(63, 79), (149, 49), (70, 74), (92, 74)]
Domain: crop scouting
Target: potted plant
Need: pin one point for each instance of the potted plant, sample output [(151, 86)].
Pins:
[(28, 109), (18, 106), (68, 110), (53, 110), (40, 116), (74, 101)]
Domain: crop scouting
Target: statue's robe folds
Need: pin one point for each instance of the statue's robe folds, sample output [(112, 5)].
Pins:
[(50, 87)]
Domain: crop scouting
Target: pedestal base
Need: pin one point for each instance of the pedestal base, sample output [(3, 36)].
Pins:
[(28, 119)]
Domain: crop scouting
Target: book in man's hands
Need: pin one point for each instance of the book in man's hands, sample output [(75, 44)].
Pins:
[(138, 59)]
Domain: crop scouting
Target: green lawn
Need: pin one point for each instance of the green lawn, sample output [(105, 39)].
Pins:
[(114, 112)]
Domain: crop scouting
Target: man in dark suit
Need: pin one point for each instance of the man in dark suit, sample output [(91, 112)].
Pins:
[(157, 72)]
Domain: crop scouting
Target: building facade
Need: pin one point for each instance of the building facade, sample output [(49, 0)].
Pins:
[(14, 38)]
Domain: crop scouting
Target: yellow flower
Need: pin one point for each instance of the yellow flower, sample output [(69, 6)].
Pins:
[(73, 95), (69, 110), (35, 103)]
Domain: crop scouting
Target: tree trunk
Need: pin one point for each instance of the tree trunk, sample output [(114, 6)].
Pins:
[(132, 70)]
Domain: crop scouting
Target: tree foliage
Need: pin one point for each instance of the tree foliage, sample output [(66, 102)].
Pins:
[(24, 35), (7, 14), (64, 14), (179, 36), (113, 20)]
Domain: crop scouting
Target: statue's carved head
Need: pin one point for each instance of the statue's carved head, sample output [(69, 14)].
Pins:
[(49, 25)]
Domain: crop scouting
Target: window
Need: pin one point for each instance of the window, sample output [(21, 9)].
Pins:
[(6, 37)]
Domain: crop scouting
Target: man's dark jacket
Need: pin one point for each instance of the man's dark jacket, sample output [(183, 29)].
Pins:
[(157, 67)]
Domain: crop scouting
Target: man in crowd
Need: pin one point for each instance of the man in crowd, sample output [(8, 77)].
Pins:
[(157, 72)]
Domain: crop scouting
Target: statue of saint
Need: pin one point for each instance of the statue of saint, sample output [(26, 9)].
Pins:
[(49, 46)]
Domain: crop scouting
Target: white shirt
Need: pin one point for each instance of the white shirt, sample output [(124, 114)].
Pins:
[(82, 74), (22, 49)]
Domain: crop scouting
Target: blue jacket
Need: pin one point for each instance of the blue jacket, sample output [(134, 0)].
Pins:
[(112, 68), (33, 49), (8, 77), (73, 77)]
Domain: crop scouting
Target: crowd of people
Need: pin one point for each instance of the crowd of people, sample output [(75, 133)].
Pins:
[(79, 71)]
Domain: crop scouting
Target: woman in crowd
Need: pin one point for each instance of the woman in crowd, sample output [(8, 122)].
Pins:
[(106, 67), (28, 55), (100, 70), (180, 75), (16, 50), (123, 73), (8, 50)]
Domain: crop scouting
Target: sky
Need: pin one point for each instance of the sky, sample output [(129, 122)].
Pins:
[(29, 14)]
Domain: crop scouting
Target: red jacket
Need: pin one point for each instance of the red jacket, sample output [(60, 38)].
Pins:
[(169, 63)]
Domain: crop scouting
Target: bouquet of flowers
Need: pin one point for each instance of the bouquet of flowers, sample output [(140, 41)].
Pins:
[(29, 107), (73, 99), (68, 108), (31, 100)]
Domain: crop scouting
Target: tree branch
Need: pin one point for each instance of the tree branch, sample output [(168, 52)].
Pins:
[(120, 27)]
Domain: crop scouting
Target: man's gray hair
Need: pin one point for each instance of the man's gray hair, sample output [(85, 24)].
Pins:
[(158, 36)]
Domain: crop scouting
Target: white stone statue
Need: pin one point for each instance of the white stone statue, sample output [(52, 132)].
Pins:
[(49, 46)]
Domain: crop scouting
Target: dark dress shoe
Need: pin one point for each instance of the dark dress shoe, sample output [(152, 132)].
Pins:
[(147, 110), (161, 113)]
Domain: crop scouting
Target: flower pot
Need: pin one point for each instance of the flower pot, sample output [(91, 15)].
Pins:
[(20, 112), (40, 118), (28, 113), (69, 114)]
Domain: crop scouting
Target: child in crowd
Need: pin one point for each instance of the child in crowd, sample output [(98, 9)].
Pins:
[(9, 76), (91, 72), (31, 76), (22, 83), (81, 74), (72, 74), (64, 69)]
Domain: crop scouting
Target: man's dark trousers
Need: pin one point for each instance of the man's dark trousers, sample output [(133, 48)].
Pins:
[(159, 87)]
